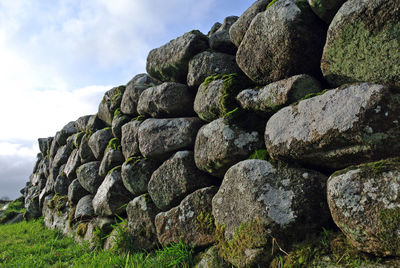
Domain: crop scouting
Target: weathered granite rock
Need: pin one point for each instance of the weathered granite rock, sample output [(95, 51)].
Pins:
[(159, 138), (271, 97), (267, 202), (326, 9), (98, 142), (169, 63), (61, 184), (111, 102), (82, 122), (166, 100), (365, 205), (134, 88), (73, 163), (345, 126), (111, 195), (210, 63), (76, 139), (38, 163), (61, 156), (220, 39), (94, 124), (31, 205), (211, 259), (176, 178), (53, 149), (56, 213), (68, 130), (117, 123), (84, 208), (184, 222), (141, 214), (214, 28), (285, 40), (88, 176), (112, 158), (130, 139), (76, 192), (363, 45), (85, 153), (136, 173), (220, 145), (43, 145), (239, 28)]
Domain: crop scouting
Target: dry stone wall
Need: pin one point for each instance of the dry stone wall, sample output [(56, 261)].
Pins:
[(174, 151)]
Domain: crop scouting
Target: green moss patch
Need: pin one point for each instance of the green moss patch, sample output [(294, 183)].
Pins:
[(114, 144), (261, 154), (205, 223), (374, 168)]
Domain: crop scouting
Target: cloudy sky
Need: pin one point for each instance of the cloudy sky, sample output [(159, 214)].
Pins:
[(58, 57)]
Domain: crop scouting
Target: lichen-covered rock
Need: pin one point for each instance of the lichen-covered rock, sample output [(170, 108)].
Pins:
[(111, 102), (98, 142), (43, 145), (345, 126), (210, 63), (159, 138), (211, 259), (363, 45), (136, 173), (176, 178), (285, 40), (61, 184), (76, 192), (214, 28), (130, 139), (258, 202), (85, 153), (72, 164), (76, 139), (326, 9), (220, 40), (68, 130), (56, 213), (141, 214), (169, 63), (219, 145), (61, 156), (117, 123), (133, 89), (166, 100), (82, 122), (112, 158), (88, 176), (239, 28), (365, 205), (94, 124), (31, 205), (84, 208), (111, 195), (271, 97), (190, 222)]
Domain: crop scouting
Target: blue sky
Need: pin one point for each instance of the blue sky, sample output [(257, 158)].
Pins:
[(58, 57)]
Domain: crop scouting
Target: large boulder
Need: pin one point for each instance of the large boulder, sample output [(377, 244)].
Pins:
[(98, 142), (345, 126), (68, 130), (259, 204), (111, 195), (56, 212), (169, 63), (189, 222), (88, 176), (111, 102), (219, 145), (43, 145), (220, 40), (61, 156), (113, 157), (84, 208), (271, 97), (61, 184), (285, 40), (365, 205), (159, 138), (363, 44), (210, 63), (85, 153), (32, 207), (166, 100), (118, 121), (130, 139), (76, 192), (176, 178), (326, 9), (72, 164)]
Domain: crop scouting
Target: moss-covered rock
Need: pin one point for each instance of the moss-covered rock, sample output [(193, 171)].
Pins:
[(111, 102)]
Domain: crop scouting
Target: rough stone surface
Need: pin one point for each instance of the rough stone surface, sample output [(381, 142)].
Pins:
[(111, 102), (166, 100), (72, 164), (85, 153), (214, 28), (98, 142), (112, 158), (211, 259), (32, 203), (117, 124), (220, 145), (43, 145), (344, 126), (88, 176), (141, 214), (82, 122), (169, 63), (61, 184), (220, 39), (326, 9), (363, 44), (365, 205), (175, 179), (84, 208), (68, 130), (209, 63), (285, 40), (287, 202), (111, 195), (130, 139), (159, 138), (271, 97), (56, 213), (136, 173), (180, 222), (76, 192), (61, 156)]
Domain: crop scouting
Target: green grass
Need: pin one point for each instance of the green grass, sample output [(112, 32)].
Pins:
[(13, 209), (31, 244)]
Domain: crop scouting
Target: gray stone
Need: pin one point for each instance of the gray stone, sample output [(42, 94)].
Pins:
[(211, 259), (85, 153), (182, 223), (268, 202), (210, 63), (130, 139), (345, 126), (111, 195), (61, 156), (32, 207), (53, 151), (94, 124), (362, 44), (61, 184), (82, 122), (98, 142), (159, 138), (274, 96), (220, 39), (68, 130), (112, 158), (214, 28), (43, 145), (39, 160), (176, 178), (77, 139), (285, 40), (111, 102), (365, 205), (56, 213), (219, 145), (169, 63), (84, 208), (239, 28), (74, 161), (166, 100), (141, 214), (76, 191), (326, 9), (117, 124), (136, 173), (88, 176)]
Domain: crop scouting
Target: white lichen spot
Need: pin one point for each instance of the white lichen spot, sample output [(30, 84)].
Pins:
[(245, 139), (395, 121), (387, 114), (227, 133), (286, 182), (368, 130), (378, 109), (305, 175), (143, 204)]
